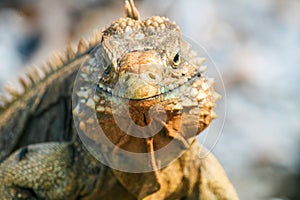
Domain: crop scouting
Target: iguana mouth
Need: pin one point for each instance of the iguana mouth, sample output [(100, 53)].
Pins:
[(166, 91)]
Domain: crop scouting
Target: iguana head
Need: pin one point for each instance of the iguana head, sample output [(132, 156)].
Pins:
[(144, 59), (149, 85)]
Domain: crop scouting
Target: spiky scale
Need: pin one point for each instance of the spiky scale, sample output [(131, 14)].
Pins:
[(23, 83), (82, 46), (131, 11), (30, 78), (211, 81), (58, 60), (70, 52), (45, 69), (202, 68), (92, 41), (213, 115), (200, 61), (12, 91), (201, 96), (2, 103), (97, 36), (51, 65), (34, 74), (217, 96)]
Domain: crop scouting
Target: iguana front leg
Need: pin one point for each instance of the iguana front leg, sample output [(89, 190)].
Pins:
[(188, 177), (213, 183), (48, 171)]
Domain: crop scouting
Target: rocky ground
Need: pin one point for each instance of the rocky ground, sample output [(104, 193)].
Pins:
[(254, 44)]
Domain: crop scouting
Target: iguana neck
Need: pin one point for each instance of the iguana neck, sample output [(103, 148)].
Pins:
[(44, 108)]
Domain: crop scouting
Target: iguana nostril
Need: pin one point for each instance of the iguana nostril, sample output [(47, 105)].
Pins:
[(152, 76)]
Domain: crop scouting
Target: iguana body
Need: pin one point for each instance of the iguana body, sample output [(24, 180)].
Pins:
[(63, 169)]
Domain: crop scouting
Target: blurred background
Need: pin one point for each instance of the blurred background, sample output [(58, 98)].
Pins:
[(255, 45)]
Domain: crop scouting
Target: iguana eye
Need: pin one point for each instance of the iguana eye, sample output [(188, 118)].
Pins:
[(176, 60)]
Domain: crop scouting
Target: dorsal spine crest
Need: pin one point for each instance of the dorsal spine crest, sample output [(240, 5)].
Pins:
[(131, 11)]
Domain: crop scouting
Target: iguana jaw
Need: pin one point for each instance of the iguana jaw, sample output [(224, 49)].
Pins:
[(144, 75), (161, 93)]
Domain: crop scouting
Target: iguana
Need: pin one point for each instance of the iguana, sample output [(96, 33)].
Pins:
[(141, 64)]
